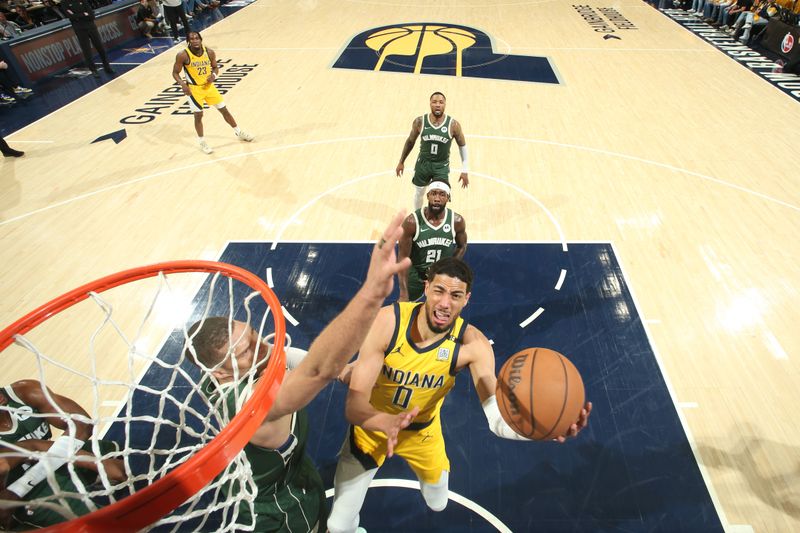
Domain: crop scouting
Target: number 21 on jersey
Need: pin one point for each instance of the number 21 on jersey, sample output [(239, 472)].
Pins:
[(433, 256)]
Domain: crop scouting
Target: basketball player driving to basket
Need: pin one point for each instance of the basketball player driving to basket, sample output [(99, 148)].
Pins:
[(291, 496), (407, 364)]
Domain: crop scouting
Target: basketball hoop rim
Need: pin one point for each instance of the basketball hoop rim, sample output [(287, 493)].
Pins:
[(146, 506)]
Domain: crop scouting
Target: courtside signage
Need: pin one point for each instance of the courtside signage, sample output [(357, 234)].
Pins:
[(42, 57)]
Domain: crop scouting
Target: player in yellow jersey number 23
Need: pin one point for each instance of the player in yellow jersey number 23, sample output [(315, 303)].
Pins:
[(199, 66)]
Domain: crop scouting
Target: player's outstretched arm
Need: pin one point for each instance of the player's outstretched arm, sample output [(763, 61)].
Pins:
[(480, 357), (337, 343)]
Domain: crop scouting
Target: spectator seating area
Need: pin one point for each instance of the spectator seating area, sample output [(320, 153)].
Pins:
[(19, 16), (745, 20), (28, 14)]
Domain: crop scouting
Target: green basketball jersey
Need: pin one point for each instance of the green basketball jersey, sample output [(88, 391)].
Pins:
[(431, 243), (24, 426), (290, 496), (436, 140)]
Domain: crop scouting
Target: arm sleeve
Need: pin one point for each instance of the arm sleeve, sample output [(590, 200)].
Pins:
[(463, 151), (496, 422)]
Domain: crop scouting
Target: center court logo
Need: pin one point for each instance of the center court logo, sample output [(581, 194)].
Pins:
[(441, 49)]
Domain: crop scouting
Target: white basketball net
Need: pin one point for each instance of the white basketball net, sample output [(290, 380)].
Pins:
[(149, 403)]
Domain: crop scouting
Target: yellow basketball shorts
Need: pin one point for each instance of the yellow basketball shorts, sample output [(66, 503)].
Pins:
[(423, 449), (203, 94)]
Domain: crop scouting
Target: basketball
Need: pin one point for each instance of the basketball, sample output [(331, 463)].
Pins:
[(540, 393)]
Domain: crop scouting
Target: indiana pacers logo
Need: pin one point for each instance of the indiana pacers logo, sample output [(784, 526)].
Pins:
[(419, 42), (444, 49)]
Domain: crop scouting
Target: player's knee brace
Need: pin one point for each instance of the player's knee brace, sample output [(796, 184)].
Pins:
[(435, 494)]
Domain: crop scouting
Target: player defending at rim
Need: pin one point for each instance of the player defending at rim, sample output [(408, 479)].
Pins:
[(426, 343), (291, 496), (200, 69), (433, 162), (429, 234)]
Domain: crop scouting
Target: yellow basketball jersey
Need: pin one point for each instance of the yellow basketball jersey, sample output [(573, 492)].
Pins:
[(416, 377), (198, 69)]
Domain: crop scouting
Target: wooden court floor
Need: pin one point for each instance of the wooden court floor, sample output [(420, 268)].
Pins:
[(655, 142)]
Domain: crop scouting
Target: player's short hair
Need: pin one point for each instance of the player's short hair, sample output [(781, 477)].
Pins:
[(453, 267), (191, 32), (439, 93), (207, 341)]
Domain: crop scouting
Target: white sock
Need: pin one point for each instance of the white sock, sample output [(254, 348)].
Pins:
[(419, 194), (201, 140), (236, 130), (435, 494)]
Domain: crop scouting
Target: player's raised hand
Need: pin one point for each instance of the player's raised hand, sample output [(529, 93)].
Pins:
[(398, 423), (576, 428), (383, 264)]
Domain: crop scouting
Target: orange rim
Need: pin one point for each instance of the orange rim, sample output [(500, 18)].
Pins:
[(149, 504)]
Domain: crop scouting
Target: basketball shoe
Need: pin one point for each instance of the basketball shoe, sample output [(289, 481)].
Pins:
[(244, 136)]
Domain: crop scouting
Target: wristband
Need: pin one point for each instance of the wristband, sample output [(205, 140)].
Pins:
[(496, 423)]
